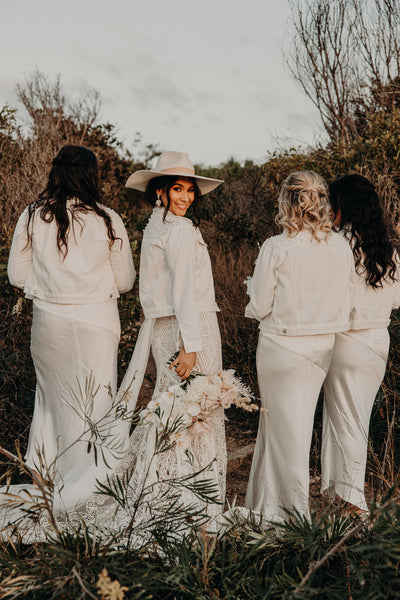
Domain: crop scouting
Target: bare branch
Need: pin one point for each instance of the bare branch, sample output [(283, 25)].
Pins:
[(346, 56)]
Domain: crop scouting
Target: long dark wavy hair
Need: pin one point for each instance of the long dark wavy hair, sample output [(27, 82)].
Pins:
[(166, 182), (365, 227), (74, 174)]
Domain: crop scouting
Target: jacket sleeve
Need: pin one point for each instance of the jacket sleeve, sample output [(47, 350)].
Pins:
[(121, 257), (20, 259), (180, 255), (261, 287)]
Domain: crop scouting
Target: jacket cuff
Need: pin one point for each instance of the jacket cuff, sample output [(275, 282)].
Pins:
[(250, 315), (194, 346)]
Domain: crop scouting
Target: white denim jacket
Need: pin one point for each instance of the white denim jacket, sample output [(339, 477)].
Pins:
[(301, 286), (175, 275), (372, 307), (92, 271)]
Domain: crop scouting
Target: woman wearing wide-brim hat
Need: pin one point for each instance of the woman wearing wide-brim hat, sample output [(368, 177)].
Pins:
[(177, 296)]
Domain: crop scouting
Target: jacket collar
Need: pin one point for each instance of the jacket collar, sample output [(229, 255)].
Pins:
[(158, 216)]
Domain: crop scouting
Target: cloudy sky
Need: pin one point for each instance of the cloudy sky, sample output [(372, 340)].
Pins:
[(203, 76)]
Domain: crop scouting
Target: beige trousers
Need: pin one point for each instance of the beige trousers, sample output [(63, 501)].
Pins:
[(291, 371), (355, 375)]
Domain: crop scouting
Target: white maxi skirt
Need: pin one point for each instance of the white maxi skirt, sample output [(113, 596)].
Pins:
[(69, 345), (291, 371), (355, 375)]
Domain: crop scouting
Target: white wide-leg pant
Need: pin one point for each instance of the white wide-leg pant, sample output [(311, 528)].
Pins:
[(291, 371), (355, 375)]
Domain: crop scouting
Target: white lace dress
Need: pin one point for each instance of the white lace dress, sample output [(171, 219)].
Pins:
[(208, 448)]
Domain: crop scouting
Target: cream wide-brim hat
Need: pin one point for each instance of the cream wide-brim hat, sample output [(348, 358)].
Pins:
[(176, 164)]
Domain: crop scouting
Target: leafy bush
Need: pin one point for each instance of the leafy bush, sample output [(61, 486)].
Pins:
[(334, 557)]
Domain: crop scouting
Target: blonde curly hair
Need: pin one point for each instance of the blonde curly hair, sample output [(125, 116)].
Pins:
[(303, 204)]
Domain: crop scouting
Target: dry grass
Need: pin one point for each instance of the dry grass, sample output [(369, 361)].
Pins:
[(239, 334)]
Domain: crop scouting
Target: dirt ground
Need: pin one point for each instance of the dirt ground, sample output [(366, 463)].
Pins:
[(240, 446)]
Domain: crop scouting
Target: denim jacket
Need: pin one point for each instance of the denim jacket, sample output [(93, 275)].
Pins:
[(372, 307), (175, 275), (301, 286), (92, 271)]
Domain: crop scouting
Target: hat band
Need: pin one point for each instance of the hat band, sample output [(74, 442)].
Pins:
[(173, 170)]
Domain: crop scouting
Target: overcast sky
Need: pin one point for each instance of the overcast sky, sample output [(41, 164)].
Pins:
[(203, 76)]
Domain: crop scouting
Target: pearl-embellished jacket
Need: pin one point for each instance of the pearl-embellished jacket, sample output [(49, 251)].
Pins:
[(301, 286), (92, 271), (175, 275)]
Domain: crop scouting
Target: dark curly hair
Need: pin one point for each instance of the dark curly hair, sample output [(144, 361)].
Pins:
[(74, 174), (364, 225), (166, 182)]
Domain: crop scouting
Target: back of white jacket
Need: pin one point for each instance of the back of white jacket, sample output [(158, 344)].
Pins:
[(372, 307), (92, 271), (301, 286)]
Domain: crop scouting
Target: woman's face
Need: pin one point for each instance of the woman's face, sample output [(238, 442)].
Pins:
[(181, 196)]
